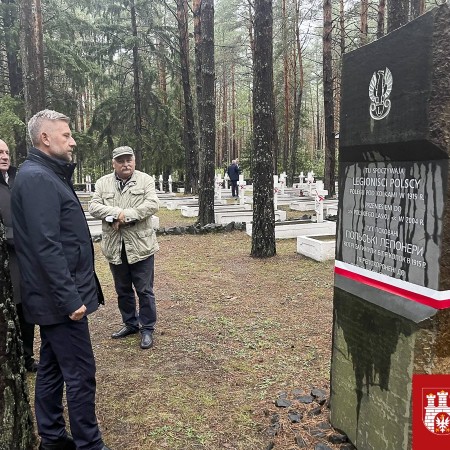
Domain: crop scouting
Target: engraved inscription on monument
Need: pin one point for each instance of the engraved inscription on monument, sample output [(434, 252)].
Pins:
[(391, 220)]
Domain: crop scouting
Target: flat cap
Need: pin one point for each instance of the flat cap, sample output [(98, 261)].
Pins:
[(124, 150)]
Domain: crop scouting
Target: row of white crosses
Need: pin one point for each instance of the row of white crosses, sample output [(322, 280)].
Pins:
[(218, 186), (161, 182)]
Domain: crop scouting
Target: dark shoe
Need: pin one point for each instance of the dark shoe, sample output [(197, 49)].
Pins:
[(146, 339), (105, 448), (65, 443), (32, 367), (124, 331)]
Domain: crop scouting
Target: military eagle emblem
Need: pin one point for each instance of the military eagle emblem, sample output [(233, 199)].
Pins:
[(380, 88)]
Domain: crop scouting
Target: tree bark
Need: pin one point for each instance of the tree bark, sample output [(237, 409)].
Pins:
[(12, 50), (263, 235), (136, 89), (208, 124), (397, 14), (380, 18), (328, 101), (286, 83), (417, 8), (298, 95), (223, 154), (364, 31), (191, 149), (196, 9), (15, 410), (234, 150), (32, 50)]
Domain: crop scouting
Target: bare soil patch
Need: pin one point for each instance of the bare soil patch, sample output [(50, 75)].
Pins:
[(233, 334)]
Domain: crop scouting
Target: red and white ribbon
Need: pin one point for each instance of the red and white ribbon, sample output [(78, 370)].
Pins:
[(410, 291)]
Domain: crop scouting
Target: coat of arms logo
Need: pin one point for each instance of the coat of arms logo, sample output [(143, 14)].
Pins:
[(437, 417), (380, 88)]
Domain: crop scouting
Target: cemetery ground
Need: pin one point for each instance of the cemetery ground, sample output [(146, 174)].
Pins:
[(235, 336)]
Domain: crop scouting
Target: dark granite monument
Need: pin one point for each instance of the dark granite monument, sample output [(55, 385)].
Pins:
[(392, 273)]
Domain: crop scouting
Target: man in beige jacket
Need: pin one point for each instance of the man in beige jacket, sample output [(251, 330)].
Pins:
[(125, 200)]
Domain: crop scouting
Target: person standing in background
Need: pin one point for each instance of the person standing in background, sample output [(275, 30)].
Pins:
[(8, 173), (233, 172)]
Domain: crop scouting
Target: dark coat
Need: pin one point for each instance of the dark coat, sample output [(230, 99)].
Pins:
[(5, 203), (53, 242), (233, 172), (5, 213)]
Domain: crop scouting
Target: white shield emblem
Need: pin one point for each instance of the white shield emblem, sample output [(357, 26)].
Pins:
[(380, 88)]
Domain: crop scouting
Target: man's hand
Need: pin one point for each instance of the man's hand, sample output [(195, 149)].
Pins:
[(119, 221), (78, 314)]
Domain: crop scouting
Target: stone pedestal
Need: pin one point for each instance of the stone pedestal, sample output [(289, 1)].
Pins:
[(392, 275)]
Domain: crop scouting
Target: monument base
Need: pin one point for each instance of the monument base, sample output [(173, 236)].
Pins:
[(375, 354)]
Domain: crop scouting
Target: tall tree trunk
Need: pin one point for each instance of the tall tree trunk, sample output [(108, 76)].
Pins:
[(32, 49), (380, 18), (250, 30), (286, 83), (191, 150), (197, 12), (208, 127), (234, 150), (298, 95), (417, 8), (328, 101), (162, 73), (223, 151), (397, 14), (15, 410), (364, 31), (11, 46), (319, 139), (263, 235), (342, 27), (136, 89)]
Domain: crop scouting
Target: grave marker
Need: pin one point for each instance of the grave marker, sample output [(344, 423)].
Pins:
[(392, 273)]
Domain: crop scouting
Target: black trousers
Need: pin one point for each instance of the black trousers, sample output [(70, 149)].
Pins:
[(234, 188), (139, 275), (66, 356)]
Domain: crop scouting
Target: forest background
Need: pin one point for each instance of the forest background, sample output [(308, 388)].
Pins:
[(129, 72), (190, 85)]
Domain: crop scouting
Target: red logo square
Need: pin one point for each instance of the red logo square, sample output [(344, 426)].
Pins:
[(431, 412)]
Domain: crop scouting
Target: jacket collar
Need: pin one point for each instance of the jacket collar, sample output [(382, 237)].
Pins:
[(61, 168), (12, 175)]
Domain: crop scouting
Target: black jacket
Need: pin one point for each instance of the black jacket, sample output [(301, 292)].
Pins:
[(5, 213), (5, 203), (233, 172), (52, 241)]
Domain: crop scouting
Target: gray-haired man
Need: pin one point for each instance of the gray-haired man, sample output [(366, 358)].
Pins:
[(56, 260), (125, 200)]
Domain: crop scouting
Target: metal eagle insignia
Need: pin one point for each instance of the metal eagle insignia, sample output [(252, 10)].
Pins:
[(380, 88)]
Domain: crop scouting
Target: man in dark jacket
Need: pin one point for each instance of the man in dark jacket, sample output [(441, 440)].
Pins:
[(233, 172), (8, 175), (56, 261)]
